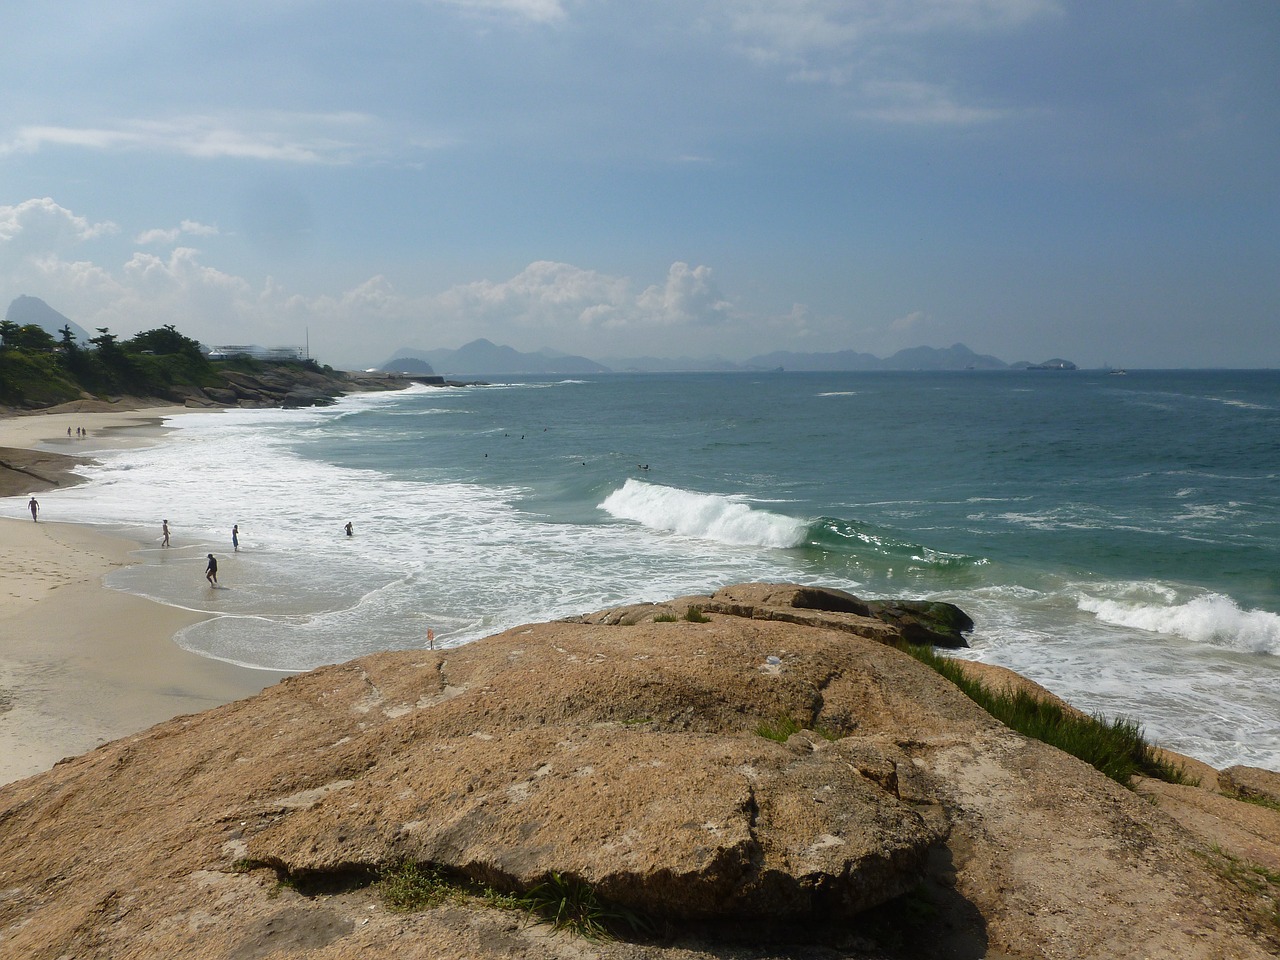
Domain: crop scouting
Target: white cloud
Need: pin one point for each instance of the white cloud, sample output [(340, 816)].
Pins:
[(546, 303), (871, 50), (915, 102), (537, 11), (43, 225), (279, 136), (783, 29), (688, 298), (909, 322), (187, 227)]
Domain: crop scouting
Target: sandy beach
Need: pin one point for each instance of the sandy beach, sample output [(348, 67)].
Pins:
[(81, 664)]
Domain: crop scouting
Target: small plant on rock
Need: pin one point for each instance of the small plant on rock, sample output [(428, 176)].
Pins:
[(571, 904)]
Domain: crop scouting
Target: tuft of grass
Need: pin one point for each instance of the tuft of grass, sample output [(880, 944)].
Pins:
[(1249, 878), (665, 618), (695, 615), (784, 726), (1115, 747), (1257, 801), (406, 886), (778, 730), (571, 904), (566, 903)]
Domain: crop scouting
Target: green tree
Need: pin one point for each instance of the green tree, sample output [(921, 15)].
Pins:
[(164, 341), (34, 337), (8, 334)]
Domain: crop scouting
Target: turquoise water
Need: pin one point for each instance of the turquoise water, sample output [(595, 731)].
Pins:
[(1114, 537)]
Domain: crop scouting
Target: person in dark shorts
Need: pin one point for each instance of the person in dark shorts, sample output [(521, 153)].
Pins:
[(211, 571)]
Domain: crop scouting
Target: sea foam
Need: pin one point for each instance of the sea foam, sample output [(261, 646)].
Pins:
[(701, 515)]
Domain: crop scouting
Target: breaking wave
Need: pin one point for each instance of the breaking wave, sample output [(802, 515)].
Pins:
[(702, 515), (1211, 619)]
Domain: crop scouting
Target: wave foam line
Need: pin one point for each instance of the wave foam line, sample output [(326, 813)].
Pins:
[(701, 515), (1211, 619)]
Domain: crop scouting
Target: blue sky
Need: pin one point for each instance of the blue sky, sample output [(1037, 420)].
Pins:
[(1033, 178)]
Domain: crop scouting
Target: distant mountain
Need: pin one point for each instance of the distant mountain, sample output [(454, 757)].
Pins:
[(410, 365), (956, 357), (25, 311), (1056, 363), (484, 358), (671, 365), (839, 360)]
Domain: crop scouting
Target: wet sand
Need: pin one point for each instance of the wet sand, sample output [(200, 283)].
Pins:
[(81, 664)]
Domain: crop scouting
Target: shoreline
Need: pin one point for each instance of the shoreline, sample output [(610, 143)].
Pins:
[(82, 664)]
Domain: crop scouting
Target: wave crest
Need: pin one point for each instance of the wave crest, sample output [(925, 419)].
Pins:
[(704, 516), (1211, 619)]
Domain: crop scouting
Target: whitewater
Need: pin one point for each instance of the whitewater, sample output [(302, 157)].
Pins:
[(1116, 542)]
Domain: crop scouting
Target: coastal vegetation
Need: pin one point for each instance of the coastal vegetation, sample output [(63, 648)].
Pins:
[(39, 370), (1115, 747)]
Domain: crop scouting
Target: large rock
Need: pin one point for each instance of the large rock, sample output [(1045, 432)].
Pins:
[(650, 760), (917, 621)]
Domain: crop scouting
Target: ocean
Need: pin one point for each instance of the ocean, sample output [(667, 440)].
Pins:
[(1115, 538)]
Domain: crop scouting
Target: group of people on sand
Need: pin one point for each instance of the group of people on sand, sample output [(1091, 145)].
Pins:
[(80, 432)]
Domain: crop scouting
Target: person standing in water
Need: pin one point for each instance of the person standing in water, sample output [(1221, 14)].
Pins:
[(34, 506), (235, 537), (211, 571), (165, 528), (348, 528)]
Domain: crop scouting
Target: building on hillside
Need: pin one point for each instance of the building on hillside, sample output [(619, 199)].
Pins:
[(226, 351)]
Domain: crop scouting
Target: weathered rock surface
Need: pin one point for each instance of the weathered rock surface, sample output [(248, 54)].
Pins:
[(632, 757), (284, 385), (916, 621)]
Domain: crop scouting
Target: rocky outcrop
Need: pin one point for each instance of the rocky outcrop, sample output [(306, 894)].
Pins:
[(284, 385), (756, 785), (30, 471), (916, 621)]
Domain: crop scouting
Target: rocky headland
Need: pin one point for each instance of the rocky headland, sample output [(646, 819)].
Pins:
[(755, 773)]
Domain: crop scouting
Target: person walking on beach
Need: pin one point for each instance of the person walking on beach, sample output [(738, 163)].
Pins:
[(165, 527), (235, 538), (211, 571), (34, 506)]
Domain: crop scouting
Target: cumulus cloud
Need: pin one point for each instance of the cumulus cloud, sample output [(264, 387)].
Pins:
[(43, 225), (555, 296), (546, 303), (689, 297)]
